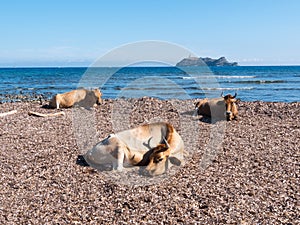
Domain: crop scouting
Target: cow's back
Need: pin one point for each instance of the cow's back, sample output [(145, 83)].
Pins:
[(214, 108), (217, 108), (144, 137), (68, 99)]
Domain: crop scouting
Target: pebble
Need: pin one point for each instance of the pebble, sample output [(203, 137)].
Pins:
[(252, 177)]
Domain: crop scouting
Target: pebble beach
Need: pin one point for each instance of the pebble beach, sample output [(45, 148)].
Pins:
[(252, 178)]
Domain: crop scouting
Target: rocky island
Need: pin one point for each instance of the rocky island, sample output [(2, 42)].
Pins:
[(194, 61)]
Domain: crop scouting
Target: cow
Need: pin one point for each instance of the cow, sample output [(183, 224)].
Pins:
[(218, 108), (82, 97), (151, 147)]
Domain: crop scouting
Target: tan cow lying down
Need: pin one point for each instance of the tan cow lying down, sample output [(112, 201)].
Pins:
[(82, 97), (218, 108), (152, 146)]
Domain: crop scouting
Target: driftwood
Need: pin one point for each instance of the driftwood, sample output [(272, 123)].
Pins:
[(8, 113), (30, 113)]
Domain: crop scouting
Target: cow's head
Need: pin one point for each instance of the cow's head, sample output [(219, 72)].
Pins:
[(98, 96), (159, 160), (231, 107), (198, 106)]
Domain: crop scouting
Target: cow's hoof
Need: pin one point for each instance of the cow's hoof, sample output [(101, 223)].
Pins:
[(117, 170)]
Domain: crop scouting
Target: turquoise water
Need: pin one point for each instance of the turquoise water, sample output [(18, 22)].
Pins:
[(266, 83)]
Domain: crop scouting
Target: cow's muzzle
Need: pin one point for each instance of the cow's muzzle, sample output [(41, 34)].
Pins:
[(144, 172), (99, 102), (228, 115)]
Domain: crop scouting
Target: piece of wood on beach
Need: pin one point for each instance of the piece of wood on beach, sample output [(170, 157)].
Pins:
[(31, 113), (8, 113)]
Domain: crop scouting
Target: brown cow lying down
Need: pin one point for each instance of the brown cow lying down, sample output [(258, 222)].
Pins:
[(82, 97), (218, 108), (152, 146)]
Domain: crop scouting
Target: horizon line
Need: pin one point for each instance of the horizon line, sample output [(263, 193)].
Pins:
[(135, 66)]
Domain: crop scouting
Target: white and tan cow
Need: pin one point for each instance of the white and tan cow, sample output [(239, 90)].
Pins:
[(218, 108), (82, 97), (152, 146)]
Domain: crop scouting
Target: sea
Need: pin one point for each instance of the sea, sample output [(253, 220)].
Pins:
[(250, 83)]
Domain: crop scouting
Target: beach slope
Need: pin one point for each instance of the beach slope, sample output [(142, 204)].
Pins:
[(253, 178)]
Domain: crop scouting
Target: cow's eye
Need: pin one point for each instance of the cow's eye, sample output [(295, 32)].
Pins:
[(157, 160)]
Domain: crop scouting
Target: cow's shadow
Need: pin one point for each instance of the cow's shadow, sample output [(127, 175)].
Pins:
[(205, 119), (101, 167), (81, 161), (188, 113), (46, 106), (209, 120), (201, 118)]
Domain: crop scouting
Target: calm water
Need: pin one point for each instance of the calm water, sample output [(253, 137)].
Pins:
[(266, 83)]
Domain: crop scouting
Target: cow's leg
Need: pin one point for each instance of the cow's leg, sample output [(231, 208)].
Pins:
[(57, 104), (118, 164)]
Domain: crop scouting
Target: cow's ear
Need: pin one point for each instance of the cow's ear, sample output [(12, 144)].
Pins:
[(174, 161)]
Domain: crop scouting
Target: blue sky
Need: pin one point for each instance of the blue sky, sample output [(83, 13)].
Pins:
[(76, 33)]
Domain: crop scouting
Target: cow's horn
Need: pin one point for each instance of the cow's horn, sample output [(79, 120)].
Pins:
[(222, 94), (166, 142), (234, 95)]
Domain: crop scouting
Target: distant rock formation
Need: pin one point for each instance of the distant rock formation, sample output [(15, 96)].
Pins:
[(194, 61)]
